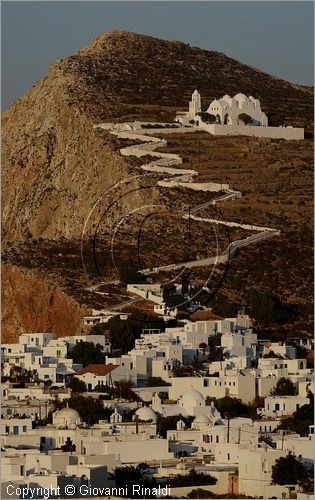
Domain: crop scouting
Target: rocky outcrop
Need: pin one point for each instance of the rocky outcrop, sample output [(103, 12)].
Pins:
[(30, 305)]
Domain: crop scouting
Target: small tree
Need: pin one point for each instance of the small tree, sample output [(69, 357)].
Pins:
[(275, 120), (288, 470), (216, 354), (68, 446), (207, 117), (86, 353), (284, 387), (246, 119), (156, 382), (76, 385)]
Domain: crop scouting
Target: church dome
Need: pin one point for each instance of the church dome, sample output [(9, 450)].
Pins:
[(226, 98), (145, 414), (66, 417), (192, 397), (240, 97)]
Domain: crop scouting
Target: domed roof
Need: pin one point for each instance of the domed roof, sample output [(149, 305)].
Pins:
[(240, 97), (227, 98), (192, 396), (145, 413), (68, 413), (66, 417), (202, 419)]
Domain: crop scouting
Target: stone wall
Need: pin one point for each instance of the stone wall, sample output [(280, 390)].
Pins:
[(272, 132)]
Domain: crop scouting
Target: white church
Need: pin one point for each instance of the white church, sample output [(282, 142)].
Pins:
[(225, 111), (238, 115)]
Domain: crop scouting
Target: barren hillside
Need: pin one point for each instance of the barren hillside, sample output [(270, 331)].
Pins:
[(56, 166)]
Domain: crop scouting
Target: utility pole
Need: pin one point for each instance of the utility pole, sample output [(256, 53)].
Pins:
[(228, 430)]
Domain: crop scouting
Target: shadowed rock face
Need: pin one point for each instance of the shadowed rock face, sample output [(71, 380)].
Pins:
[(30, 305), (55, 165)]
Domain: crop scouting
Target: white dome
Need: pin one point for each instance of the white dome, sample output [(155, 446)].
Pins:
[(227, 99), (240, 97), (145, 413), (224, 103), (68, 413), (66, 417), (192, 396)]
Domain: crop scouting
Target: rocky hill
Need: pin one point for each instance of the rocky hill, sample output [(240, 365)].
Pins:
[(56, 166)]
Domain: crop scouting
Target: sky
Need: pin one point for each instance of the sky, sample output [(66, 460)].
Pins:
[(276, 37)]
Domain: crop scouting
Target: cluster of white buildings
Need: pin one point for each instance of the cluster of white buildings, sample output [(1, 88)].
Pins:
[(47, 358), (232, 449)]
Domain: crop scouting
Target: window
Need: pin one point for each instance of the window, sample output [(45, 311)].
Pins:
[(24, 428), (15, 429), (205, 382), (283, 406), (7, 429), (234, 384), (228, 456), (131, 366), (217, 439)]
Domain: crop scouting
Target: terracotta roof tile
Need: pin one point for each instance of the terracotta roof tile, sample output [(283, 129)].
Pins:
[(97, 369)]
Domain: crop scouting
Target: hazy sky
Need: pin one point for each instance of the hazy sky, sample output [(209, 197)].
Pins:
[(274, 36)]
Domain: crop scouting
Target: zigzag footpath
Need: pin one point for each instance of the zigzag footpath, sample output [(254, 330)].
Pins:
[(180, 177)]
